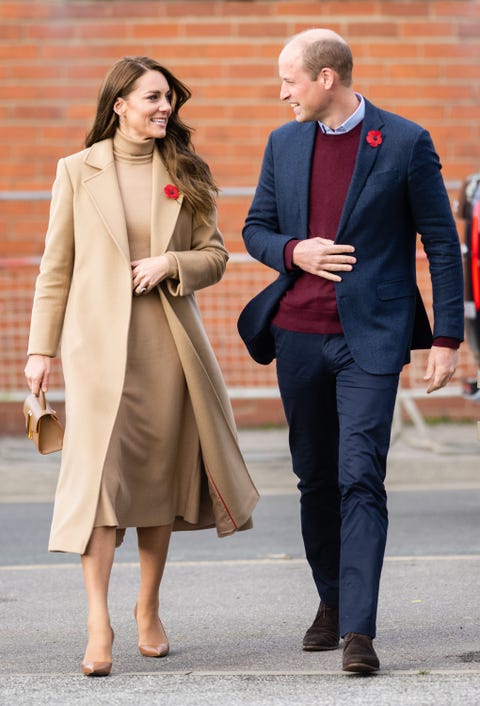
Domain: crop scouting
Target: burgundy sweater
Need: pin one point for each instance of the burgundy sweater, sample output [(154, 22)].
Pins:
[(310, 306)]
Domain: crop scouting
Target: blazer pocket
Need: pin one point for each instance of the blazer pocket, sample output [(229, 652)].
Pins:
[(385, 177), (396, 289)]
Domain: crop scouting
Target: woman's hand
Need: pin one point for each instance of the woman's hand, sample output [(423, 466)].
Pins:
[(148, 272), (37, 372)]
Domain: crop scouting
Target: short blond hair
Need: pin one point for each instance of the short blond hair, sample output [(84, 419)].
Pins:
[(322, 48)]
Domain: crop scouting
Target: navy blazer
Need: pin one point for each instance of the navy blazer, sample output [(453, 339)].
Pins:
[(396, 191)]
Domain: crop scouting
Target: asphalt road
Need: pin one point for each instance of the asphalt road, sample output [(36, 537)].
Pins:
[(422, 522)]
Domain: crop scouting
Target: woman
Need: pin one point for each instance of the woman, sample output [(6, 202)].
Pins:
[(150, 440)]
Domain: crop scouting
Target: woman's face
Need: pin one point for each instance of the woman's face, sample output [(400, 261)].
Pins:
[(144, 112)]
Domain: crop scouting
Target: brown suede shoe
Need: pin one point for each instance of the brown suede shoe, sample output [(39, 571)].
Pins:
[(358, 654), (324, 633)]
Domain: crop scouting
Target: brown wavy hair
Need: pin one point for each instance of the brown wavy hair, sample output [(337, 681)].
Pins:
[(190, 173)]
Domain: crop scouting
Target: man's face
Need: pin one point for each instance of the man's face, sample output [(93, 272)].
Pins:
[(308, 98)]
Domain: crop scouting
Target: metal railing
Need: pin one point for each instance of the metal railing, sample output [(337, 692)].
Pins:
[(220, 306)]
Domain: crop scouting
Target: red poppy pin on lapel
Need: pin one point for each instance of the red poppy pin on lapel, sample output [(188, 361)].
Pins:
[(374, 138), (171, 191)]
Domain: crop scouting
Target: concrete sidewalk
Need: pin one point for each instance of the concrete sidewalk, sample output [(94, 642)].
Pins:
[(235, 625), (448, 456)]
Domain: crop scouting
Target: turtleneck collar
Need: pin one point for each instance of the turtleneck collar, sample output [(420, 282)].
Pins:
[(126, 148)]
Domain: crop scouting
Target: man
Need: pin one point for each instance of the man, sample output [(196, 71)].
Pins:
[(344, 190)]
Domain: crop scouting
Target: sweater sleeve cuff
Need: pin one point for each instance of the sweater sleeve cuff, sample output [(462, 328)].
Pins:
[(446, 342), (288, 254)]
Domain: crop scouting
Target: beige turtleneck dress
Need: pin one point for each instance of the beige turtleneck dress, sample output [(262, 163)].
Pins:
[(152, 467)]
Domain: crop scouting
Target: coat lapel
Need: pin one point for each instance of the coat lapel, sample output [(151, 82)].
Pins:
[(164, 210), (104, 191), (364, 164), (302, 154)]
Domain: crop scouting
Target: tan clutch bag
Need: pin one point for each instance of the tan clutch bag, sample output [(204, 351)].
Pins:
[(42, 424)]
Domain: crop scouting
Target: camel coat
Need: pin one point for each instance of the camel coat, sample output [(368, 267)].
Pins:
[(83, 296)]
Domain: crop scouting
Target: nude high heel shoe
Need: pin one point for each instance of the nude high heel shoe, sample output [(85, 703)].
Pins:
[(160, 650), (97, 669)]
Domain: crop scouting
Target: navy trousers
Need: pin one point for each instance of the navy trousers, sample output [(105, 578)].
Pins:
[(339, 420)]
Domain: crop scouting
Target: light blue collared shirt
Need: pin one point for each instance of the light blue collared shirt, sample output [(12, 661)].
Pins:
[(349, 123)]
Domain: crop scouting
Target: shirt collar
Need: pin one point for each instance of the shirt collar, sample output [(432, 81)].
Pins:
[(349, 123)]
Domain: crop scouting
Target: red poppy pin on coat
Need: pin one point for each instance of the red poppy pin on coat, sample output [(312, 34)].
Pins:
[(171, 191), (374, 138)]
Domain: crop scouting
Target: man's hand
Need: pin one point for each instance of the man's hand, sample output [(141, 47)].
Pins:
[(322, 257), (441, 365)]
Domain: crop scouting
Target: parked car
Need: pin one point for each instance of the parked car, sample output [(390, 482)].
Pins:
[(468, 209)]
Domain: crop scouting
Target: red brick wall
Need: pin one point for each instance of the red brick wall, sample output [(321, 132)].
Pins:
[(420, 59)]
